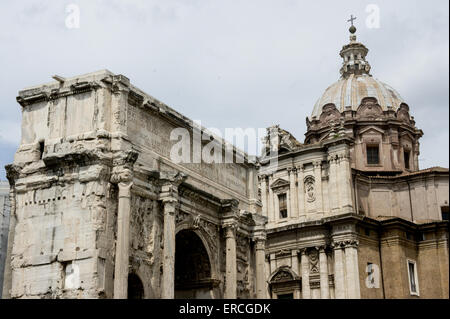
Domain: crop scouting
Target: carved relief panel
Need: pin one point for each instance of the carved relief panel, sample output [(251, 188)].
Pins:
[(310, 188)]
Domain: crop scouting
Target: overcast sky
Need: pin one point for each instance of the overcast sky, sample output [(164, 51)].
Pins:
[(251, 63)]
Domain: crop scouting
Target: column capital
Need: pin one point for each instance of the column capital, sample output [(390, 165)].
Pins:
[(345, 243), (260, 243), (169, 182), (121, 174), (317, 164), (343, 155), (123, 177), (332, 158), (262, 177), (321, 248), (12, 173), (230, 228), (303, 251)]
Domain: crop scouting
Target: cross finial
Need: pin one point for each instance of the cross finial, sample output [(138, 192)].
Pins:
[(352, 18)]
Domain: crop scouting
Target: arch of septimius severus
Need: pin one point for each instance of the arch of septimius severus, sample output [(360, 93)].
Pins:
[(100, 210)]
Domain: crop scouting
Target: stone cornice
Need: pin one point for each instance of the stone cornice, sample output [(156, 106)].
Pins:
[(414, 176), (45, 93)]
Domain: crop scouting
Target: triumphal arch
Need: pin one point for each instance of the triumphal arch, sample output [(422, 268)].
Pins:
[(101, 210)]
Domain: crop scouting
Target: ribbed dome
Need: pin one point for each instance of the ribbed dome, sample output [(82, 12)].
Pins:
[(351, 90), (356, 83)]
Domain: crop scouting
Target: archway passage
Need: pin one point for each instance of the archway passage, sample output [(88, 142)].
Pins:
[(135, 287), (192, 267)]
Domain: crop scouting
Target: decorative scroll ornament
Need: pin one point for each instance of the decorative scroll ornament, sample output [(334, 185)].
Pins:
[(314, 261), (282, 275), (310, 189)]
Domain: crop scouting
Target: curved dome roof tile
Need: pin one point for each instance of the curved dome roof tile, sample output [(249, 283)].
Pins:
[(351, 90)]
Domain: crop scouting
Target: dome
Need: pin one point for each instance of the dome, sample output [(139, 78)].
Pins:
[(349, 91), (356, 83)]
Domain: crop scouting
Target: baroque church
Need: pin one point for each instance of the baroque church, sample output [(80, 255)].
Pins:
[(98, 209)]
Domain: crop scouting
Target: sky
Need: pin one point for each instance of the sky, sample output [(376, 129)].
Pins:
[(230, 64)]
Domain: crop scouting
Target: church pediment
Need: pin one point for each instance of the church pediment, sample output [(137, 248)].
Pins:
[(283, 274), (371, 129), (279, 183)]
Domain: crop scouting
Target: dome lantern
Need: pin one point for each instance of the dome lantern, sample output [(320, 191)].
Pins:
[(354, 55)]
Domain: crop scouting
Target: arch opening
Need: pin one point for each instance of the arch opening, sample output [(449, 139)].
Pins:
[(192, 267), (135, 287)]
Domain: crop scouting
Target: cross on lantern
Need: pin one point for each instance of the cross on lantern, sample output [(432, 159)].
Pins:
[(352, 18)]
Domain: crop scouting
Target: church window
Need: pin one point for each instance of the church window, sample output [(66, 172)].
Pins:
[(282, 200), (370, 273), (373, 156), (406, 157), (444, 212), (412, 275)]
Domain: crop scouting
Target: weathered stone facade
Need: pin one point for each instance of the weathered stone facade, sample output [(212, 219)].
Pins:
[(99, 208), (97, 198), (4, 227), (362, 220)]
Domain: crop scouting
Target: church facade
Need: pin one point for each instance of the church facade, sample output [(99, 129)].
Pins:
[(99, 208)]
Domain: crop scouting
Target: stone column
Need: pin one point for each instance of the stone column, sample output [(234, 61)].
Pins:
[(231, 266), (260, 264), (323, 263), (264, 195), (12, 173), (300, 191), (252, 184), (319, 192), (333, 185), (294, 261), (169, 197), (306, 293), (276, 208), (345, 182), (267, 273), (293, 194), (271, 212), (123, 178), (230, 215), (339, 272), (168, 282), (351, 263)]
